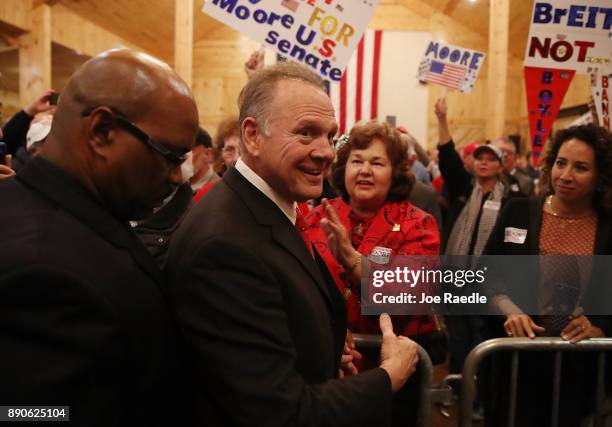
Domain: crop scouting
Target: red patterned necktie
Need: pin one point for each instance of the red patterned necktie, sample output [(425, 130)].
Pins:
[(302, 227)]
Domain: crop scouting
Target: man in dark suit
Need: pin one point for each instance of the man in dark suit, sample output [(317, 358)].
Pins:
[(517, 179), (263, 320), (84, 323)]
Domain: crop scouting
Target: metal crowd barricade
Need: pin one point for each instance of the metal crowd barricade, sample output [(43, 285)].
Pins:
[(425, 368), (516, 345)]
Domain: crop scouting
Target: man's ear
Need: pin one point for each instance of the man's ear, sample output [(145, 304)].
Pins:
[(251, 136), (100, 130)]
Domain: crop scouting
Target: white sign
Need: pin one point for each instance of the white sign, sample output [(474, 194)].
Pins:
[(600, 89), (320, 33), (450, 66), (570, 35)]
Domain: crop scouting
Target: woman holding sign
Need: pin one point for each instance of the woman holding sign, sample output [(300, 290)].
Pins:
[(568, 225)]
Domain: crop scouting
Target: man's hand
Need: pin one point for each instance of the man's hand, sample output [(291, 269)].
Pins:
[(40, 104), (398, 355), (255, 63), (5, 169), (349, 357)]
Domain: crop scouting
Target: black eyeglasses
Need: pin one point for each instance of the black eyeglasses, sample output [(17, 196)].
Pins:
[(174, 159)]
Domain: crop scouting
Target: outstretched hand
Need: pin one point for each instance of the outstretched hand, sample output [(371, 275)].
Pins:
[(40, 104), (255, 63), (441, 108), (337, 237)]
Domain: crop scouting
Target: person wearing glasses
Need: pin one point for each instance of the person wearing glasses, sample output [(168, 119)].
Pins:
[(227, 143), (84, 322)]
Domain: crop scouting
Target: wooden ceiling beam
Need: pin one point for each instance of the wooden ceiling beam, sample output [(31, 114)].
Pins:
[(35, 56), (51, 3), (450, 7), (497, 82), (183, 39)]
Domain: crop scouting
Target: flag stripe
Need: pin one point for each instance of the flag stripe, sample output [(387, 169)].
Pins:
[(356, 97), (366, 82), (375, 74), (358, 89), (447, 75), (351, 91), (342, 109)]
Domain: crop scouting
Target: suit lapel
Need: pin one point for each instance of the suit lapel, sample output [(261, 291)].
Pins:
[(45, 178), (283, 232)]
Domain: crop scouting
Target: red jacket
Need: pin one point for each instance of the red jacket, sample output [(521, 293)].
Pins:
[(418, 235)]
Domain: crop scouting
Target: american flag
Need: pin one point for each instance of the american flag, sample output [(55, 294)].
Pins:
[(447, 75), (356, 97)]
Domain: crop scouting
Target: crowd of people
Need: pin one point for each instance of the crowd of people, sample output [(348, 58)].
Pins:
[(153, 275)]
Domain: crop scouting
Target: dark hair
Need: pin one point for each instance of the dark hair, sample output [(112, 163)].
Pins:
[(600, 140), (203, 138), (361, 137)]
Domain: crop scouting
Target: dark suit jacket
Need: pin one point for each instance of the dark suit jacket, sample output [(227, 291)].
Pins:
[(83, 321), (263, 321), (157, 230), (522, 181)]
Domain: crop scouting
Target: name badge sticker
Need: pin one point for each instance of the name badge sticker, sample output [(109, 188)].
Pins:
[(515, 235), (490, 204), (380, 255)]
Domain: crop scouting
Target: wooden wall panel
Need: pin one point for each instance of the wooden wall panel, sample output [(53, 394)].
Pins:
[(16, 13), (218, 75), (82, 36), (35, 56), (9, 105)]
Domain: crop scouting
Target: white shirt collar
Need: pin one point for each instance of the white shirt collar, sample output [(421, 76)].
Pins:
[(287, 207)]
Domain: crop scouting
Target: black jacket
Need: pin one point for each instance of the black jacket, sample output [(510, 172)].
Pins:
[(526, 214), (157, 230), (83, 320), (15, 131), (264, 322)]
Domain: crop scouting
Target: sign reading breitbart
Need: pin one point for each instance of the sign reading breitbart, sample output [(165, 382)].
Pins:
[(570, 35), (319, 33)]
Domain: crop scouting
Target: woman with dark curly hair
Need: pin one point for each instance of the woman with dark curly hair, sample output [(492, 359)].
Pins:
[(568, 224), (374, 219)]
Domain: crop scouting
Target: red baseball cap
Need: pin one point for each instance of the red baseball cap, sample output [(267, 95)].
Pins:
[(470, 148)]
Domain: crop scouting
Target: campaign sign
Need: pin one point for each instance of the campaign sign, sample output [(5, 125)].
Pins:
[(450, 66), (319, 33), (570, 35), (600, 89), (546, 89)]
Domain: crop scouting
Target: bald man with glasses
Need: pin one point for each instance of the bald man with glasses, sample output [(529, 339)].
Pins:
[(84, 322)]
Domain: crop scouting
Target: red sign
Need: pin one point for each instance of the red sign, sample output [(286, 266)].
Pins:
[(546, 88)]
